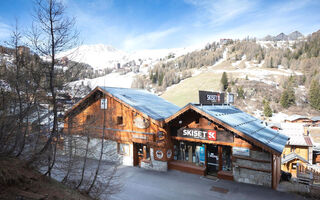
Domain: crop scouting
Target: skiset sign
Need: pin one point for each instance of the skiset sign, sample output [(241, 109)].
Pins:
[(201, 134)]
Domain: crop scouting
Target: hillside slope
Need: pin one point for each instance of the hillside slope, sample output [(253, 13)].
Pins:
[(18, 182)]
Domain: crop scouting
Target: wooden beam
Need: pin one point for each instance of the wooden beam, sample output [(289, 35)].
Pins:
[(255, 169), (251, 159), (211, 142)]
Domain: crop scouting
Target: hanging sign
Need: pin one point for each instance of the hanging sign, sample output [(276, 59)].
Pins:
[(230, 98), (104, 103), (140, 122), (159, 154), (169, 153), (209, 98)]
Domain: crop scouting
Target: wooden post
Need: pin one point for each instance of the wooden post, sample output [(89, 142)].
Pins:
[(206, 158), (220, 157)]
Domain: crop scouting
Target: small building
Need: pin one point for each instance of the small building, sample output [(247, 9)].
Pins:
[(210, 140), (298, 119), (298, 148), (315, 121), (275, 126), (314, 133)]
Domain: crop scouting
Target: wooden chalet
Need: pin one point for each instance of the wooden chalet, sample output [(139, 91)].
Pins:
[(298, 149), (209, 140), (298, 119)]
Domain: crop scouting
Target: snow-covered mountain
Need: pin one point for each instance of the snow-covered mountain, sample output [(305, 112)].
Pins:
[(101, 56), (98, 56)]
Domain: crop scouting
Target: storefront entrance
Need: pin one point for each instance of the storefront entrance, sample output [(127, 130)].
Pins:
[(212, 160), (141, 153)]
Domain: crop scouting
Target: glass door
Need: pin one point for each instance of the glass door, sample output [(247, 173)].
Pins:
[(212, 159)]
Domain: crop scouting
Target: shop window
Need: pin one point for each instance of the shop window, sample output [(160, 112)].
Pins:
[(189, 152), (123, 149), (119, 120)]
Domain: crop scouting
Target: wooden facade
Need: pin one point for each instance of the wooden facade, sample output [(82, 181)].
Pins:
[(102, 113), (120, 122), (303, 157)]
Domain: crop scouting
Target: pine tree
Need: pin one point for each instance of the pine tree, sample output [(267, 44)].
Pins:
[(287, 97), (267, 111), (284, 99), (314, 94), (240, 92), (224, 81)]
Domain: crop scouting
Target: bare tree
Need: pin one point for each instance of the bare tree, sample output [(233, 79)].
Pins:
[(52, 32)]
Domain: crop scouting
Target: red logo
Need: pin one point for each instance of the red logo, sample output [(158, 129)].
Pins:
[(212, 135)]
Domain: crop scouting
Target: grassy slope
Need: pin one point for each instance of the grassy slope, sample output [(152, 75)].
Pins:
[(19, 182), (187, 91)]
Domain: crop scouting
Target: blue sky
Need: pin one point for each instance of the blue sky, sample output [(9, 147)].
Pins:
[(153, 24)]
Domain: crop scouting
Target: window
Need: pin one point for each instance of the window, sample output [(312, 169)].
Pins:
[(294, 165), (104, 104), (123, 149), (189, 152), (119, 120)]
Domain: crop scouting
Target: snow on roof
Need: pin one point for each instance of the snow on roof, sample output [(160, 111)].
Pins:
[(291, 156), (278, 125), (144, 101), (295, 117), (248, 125), (295, 132), (314, 133), (316, 118)]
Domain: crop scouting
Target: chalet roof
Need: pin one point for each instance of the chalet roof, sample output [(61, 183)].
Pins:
[(244, 123), (314, 133), (146, 102), (291, 156), (316, 118), (295, 117), (278, 125), (295, 132)]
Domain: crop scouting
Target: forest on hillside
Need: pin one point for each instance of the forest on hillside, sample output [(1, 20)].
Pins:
[(302, 55)]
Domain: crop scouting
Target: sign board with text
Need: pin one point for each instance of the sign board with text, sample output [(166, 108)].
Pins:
[(205, 134), (210, 98), (240, 151)]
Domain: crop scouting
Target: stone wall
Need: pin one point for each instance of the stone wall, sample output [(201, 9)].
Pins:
[(77, 144), (154, 164), (249, 175)]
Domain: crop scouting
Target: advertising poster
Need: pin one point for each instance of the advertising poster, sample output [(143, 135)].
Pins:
[(202, 154)]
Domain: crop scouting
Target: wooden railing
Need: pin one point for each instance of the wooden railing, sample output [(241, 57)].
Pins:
[(308, 175)]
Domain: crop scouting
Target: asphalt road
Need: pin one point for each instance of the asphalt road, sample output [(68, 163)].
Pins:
[(140, 184)]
